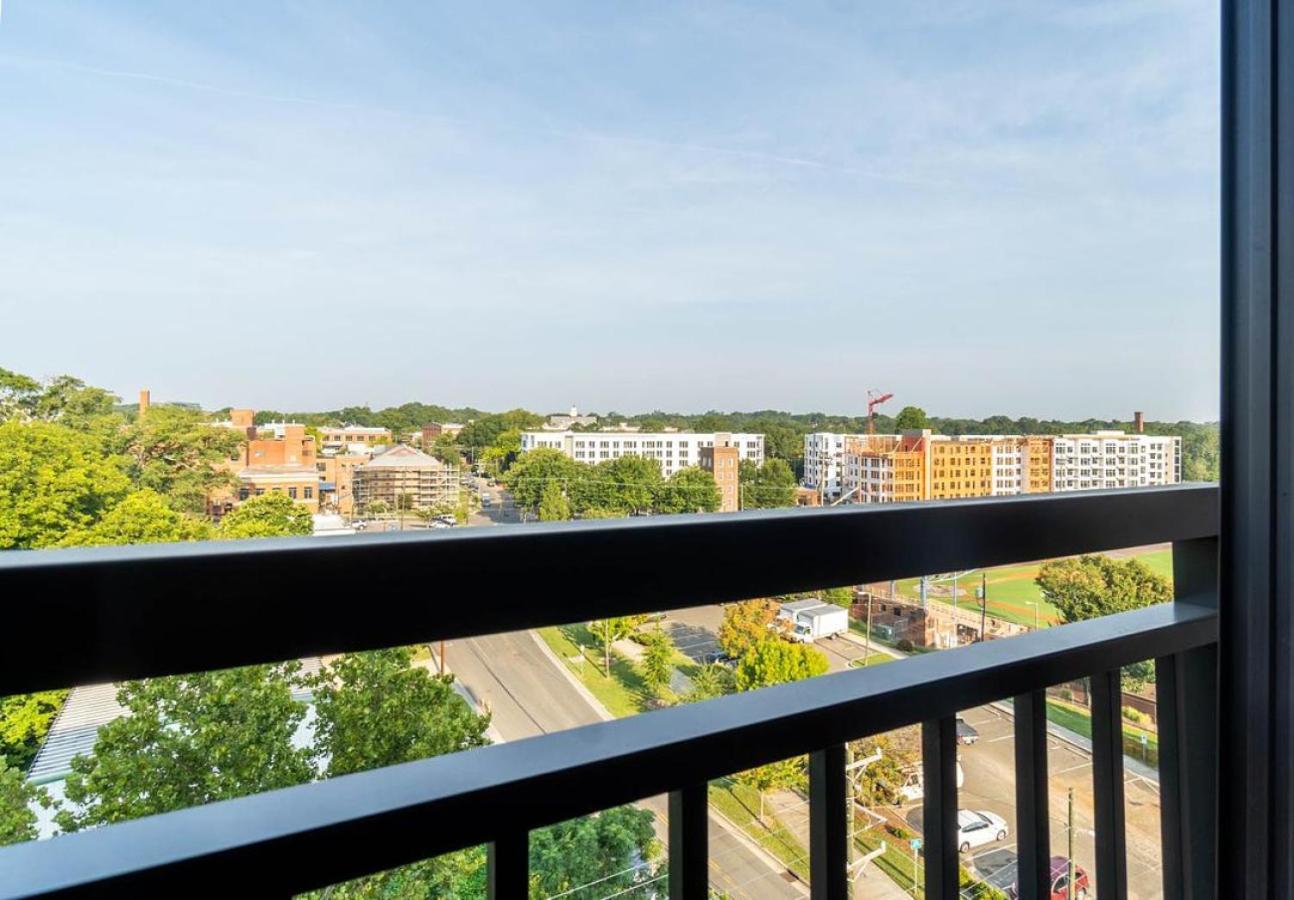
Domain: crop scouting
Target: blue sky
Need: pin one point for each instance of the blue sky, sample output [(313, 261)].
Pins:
[(983, 207)]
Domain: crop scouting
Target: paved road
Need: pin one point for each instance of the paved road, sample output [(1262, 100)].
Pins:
[(989, 768), (512, 676)]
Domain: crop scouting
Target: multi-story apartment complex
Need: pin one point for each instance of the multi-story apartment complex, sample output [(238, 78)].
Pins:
[(402, 472), (674, 450), (824, 454), (919, 465), (1112, 459)]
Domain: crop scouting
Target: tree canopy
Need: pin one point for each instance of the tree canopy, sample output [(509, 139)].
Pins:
[(143, 517), (773, 660), (768, 486), (745, 624), (593, 856), (53, 480), (189, 740), (375, 709), (1090, 586), (269, 515), (17, 819), (914, 418)]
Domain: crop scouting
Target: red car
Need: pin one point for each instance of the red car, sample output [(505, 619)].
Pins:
[(1060, 881)]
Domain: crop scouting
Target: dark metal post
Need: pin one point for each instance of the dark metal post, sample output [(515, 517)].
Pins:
[(1256, 622), (1107, 785), (1186, 689), (939, 805), (1033, 823), (508, 867), (689, 855), (828, 817)]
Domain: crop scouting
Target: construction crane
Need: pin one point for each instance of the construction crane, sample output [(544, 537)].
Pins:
[(874, 399)]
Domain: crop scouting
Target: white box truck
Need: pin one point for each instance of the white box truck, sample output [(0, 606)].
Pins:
[(809, 621)]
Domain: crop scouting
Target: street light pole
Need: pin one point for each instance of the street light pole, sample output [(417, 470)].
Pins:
[(983, 603)]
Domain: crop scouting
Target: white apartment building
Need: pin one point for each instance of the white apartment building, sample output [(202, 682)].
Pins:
[(674, 450), (824, 456), (1112, 459)]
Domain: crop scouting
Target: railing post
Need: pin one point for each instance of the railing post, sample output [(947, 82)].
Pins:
[(939, 806), (1107, 785), (508, 867), (1187, 696), (828, 821), (1032, 816), (689, 854)]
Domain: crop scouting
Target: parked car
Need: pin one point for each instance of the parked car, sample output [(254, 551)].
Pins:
[(486, 499), (1060, 882), (974, 829), (966, 732)]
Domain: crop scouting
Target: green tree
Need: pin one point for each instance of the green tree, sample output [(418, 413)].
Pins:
[(375, 709), (775, 661), (593, 856), (64, 399), (445, 449), (25, 719), (534, 471), (710, 680), (1090, 586), (175, 451), (658, 660), (690, 489), (614, 629), (632, 483), (745, 624), (269, 515), (53, 480), (143, 517), (784, 774), (839, 596), (189, 740), (914, 418), (553, 505), (17, 820), (769, 486)]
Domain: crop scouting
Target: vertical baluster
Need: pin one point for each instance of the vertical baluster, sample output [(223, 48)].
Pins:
[(508, 868), (1032, 818), (828, 821), (1107, 783), (689, 854), (1187, 696), (939, 805)]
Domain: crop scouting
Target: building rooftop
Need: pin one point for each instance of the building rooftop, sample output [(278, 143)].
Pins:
[(402, 456)]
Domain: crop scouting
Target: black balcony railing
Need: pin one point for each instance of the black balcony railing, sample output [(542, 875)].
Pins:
[(145, 611)]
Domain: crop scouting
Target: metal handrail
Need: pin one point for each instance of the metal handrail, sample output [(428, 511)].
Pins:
[(112, 603), (137, 611)]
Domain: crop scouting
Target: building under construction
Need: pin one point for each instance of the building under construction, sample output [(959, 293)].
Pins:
[(920, 465), (403, 472)]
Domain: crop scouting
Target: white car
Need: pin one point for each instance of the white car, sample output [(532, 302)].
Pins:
[(974, 829)]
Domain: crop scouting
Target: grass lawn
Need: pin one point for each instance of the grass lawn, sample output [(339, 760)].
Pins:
[(623, 694), (1078, 720), (1012, 590), (875, 659), (740, 804)]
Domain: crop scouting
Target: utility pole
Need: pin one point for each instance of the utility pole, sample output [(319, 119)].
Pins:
[(983, 603), (867, 635), (850, 821), (1069, 876)]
